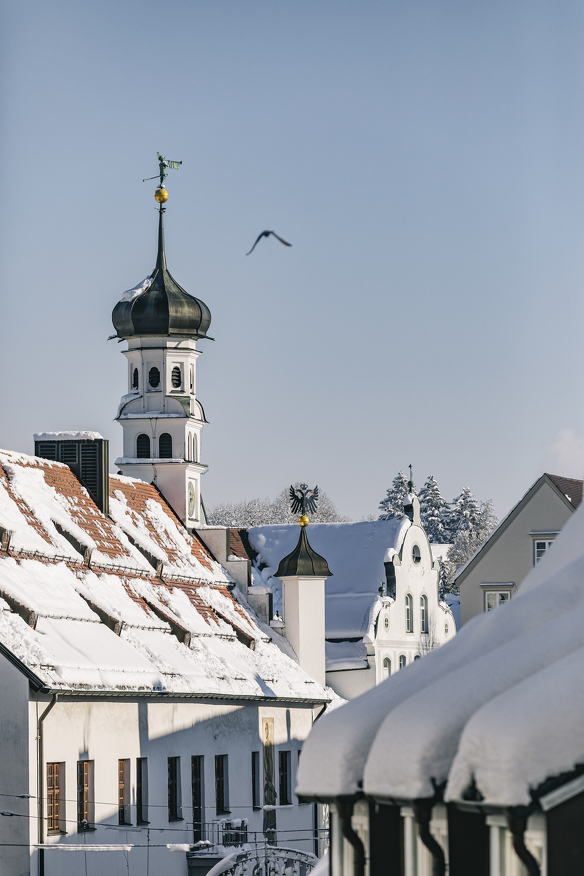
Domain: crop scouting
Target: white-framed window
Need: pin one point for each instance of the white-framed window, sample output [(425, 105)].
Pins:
[(494, 598), (402, 661), (540, 546), (424, 614), (386, 668), (409, 613)]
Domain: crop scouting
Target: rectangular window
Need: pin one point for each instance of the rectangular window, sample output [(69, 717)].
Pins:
[(285, 775), (539, 549), (142, 790), (124, 791), (493, 598), (198, 792), (85, 803), (56, 797), (174, 790), (221, 784), (255, 780)]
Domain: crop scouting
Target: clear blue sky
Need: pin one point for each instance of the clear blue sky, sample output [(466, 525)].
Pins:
[(424, 158)]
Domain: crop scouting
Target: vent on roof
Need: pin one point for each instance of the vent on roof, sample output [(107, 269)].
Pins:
[(88, 459)]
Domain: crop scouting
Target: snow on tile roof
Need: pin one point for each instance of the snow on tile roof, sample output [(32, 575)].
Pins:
[(131, 602), (355, 554), (507, 684)]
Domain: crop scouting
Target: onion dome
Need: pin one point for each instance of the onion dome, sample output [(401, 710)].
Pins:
[(303, 562), (159, 306)]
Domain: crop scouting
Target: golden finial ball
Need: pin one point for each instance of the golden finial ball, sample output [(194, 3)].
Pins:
[(161, 195), (303, 521)]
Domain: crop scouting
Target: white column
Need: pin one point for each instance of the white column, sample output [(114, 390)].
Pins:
[(303, 606)]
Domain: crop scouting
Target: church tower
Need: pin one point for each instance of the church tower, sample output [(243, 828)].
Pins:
[(160, 414)]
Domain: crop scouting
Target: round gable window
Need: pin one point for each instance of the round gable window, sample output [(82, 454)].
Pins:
[(416, 554), (154, 377), (386, 622)]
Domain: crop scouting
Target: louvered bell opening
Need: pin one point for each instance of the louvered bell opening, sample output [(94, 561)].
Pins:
[(176, 377), (143, 447), (154, 377), (135, 379), (165, 446)]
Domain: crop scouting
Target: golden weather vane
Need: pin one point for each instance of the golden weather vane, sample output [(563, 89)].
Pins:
[(164, 165)]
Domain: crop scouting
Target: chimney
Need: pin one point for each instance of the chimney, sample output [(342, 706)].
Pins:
[(303, 574), (86, 454)]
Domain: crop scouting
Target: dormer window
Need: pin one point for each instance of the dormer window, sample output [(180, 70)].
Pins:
[(135, 379), (176, 377), (154, 377)]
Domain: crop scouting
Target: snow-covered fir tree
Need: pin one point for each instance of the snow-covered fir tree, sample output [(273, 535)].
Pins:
[(263, 512), (393, 504), (474, 524), (435, 512)]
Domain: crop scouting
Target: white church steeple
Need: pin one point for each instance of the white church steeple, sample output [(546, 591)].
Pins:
[(160, 414)]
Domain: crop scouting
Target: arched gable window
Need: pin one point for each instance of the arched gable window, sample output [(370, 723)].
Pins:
[(402, 661), (386, 672), (135, 379), (424, 613), (165, 446), (409, 613), (143, 447)]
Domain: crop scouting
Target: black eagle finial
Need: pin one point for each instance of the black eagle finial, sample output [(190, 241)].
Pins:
[(303, 499)]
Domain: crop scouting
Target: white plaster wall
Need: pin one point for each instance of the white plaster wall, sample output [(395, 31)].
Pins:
[(107, 730)]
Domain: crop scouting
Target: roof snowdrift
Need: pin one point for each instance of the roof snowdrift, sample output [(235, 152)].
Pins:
[(479, 711), (129, 602), (354, 552)]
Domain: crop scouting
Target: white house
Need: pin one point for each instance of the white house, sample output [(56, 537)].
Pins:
[(492, 576), (493, 784), (382, 605)]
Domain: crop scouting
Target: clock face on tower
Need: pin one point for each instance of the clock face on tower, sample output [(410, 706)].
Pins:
[(191, 494)]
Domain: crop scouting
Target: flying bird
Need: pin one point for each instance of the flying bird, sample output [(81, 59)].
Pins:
[(267, 234)]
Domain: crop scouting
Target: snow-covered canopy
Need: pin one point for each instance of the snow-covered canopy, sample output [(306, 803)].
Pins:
[(497, 707), (355, 553), (129, 602)]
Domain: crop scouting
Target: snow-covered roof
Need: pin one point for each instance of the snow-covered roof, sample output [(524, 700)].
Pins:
[(504, 699), (354, 552), (67, 436), (129, 602)]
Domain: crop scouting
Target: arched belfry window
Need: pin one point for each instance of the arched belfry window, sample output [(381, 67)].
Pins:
[(135, 379), (165, 446), (424, 613), (409, 613), (154, 378), (143, 447), (386, 667), (416, 554), (195, 448), (176, 377)]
